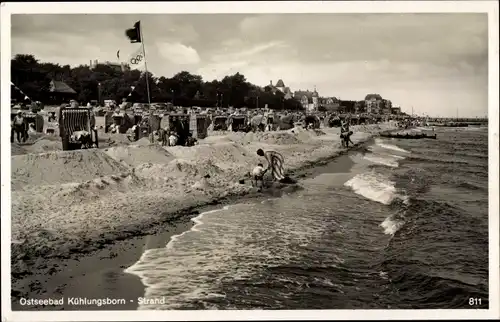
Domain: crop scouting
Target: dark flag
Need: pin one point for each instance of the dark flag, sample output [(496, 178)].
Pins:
[(134, 34)]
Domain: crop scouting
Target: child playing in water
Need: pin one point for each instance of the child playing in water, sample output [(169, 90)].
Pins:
[(258, 175)]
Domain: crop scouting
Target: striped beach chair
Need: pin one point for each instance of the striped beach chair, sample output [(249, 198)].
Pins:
[(76, 119)]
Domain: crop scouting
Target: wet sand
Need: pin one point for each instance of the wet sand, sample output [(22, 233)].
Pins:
[(101, 275)]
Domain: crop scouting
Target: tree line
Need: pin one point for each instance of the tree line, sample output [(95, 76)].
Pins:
[(102, 82)]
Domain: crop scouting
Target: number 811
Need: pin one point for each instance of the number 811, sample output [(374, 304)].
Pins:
[(474, 301)]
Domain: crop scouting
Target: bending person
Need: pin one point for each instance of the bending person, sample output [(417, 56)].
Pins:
[(275, 163), (345, 134)]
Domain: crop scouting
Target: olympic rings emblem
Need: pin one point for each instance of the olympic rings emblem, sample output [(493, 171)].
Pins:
[(137, 59)]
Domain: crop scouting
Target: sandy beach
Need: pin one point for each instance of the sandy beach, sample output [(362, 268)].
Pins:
[(68, 204)]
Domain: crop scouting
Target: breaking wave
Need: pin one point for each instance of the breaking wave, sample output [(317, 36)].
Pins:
[(378, 186), (374, 186), (388, 146)]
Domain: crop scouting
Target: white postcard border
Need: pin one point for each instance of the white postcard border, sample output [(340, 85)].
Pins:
[(490, 7)]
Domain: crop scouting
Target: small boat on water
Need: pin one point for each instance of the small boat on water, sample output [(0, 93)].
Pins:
[(408, 136)]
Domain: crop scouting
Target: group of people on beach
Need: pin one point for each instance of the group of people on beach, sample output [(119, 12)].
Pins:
[(175, 134), (172, 138)]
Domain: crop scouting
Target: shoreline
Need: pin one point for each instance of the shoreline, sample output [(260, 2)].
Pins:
[(102, 275), (29, 283)]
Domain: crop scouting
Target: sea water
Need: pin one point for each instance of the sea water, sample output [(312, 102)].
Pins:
[(406, 228)]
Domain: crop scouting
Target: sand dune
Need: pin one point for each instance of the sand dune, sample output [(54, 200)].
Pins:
[(61, 167)]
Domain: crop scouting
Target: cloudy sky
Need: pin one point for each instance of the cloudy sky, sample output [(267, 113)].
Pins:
[(433, 62)]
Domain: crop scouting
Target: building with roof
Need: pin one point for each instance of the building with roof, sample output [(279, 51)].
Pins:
[(373, 105), (359, 107), (309, 100), (60, 92), (304, 97), (377, 105), (396, 110), (386, 106), (315, 99), (116, 66), (331, 104), (280, 86)]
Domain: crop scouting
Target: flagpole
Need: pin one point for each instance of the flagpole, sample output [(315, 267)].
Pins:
[(145, 65)]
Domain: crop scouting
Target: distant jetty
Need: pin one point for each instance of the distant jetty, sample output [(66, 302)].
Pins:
[(412, 136), (456, 122)]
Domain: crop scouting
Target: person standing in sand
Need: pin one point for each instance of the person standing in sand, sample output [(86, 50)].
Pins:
[(275, 163), (345, 134), (163, 136), (19, 126)]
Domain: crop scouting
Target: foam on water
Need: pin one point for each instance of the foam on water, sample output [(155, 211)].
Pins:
[(391, 225), (382, 159), (163, 270), (397, 156), (197, 222), (378, 156), (230, 244), (388, 146), (476, 128), (378, 187), (374, 186)]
